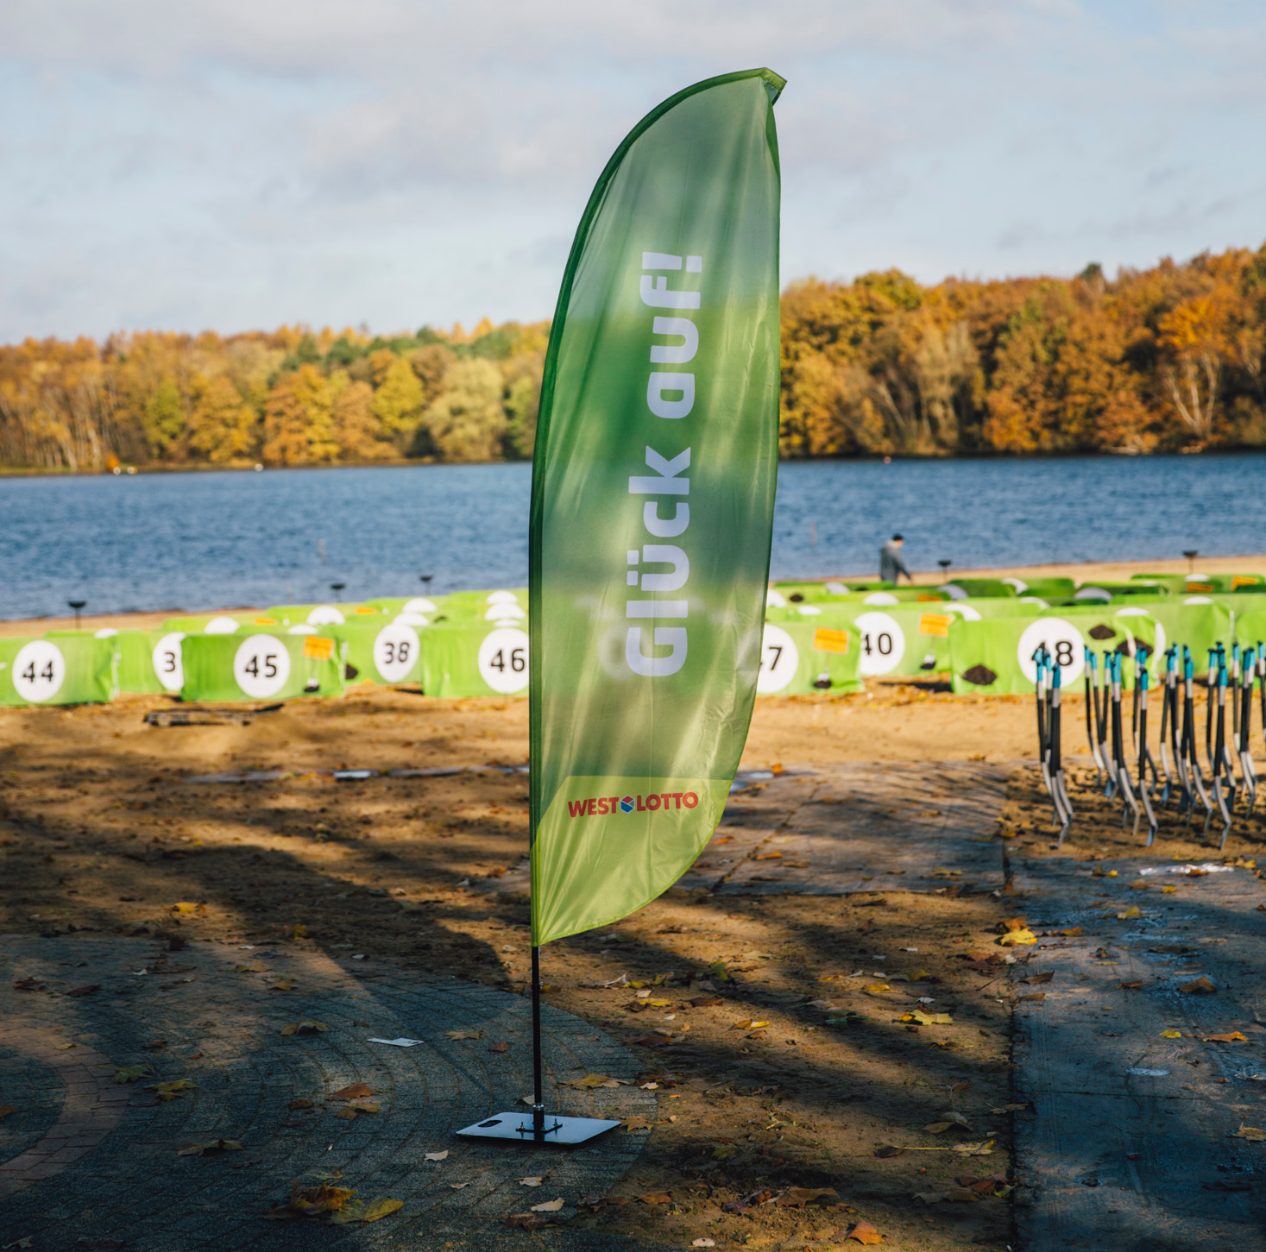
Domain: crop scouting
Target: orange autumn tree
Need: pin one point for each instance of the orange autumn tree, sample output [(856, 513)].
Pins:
[(1172, 356)]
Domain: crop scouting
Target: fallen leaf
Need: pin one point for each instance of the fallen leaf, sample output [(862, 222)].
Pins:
[(463, 1034), (876, 988), (797, 1197), (435, 1156), (1168, 889), (354, 1091), (213, 1145), (323, 1198), (927, 1019), (172, 1090), (1231, 1036), (1035, 980), (533, 1181), (548, 1206), (656, 1197), (1017, 938), (596, 1080), (299, 931), (887, 1149), (89, 989), (1201, 986), (975, 1149), (499, 1047), (748, 1024), (703, 1243), (637, 1123), (1254, 1134), (1128, 915), (1034, 995), (864, 1232), (305, 1027), (1171, 1034), (282, 984), (951, 1119), (367, 1211), (1135, 984), (188, 908), (131, 1073), (1071, 932)]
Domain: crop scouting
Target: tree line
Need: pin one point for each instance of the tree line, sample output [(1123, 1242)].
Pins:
[(1161, 359)]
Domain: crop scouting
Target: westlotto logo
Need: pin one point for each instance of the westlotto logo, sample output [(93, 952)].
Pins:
[(650, 802)]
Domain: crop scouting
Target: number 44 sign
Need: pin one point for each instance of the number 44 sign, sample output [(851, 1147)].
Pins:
[(39, 669)]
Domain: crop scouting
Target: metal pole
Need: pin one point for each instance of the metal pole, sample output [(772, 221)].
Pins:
[(538, 1085)]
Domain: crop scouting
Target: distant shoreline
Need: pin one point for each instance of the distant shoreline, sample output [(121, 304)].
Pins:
[(1019, 458), (1083, 572)]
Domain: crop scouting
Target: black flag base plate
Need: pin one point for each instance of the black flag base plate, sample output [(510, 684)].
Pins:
[(564, 1132)]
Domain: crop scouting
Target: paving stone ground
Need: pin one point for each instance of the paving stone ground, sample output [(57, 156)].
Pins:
[(1133, 1140), (85, 1161)]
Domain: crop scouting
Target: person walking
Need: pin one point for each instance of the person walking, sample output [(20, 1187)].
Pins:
[(891, 566)]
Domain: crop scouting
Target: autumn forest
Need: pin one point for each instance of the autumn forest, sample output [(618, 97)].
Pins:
[(1163, 359)]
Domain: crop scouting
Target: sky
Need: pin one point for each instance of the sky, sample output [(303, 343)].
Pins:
[(242, 164)]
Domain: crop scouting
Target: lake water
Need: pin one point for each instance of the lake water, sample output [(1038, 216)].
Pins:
[(207, 540)]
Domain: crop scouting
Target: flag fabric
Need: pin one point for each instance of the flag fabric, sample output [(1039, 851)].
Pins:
[(652, 504)]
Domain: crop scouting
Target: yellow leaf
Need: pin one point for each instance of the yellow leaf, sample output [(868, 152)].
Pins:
[(876, 988), (596, 1080), (1130, 914), (367, 1211), (463, 1034), (1015, 938), (548, 1206), (1231, 1036), (863, 1232), (1168, 889), (1254, 1134), (172, 1090), (748, 1024), (1171, 1034), (188, 908)]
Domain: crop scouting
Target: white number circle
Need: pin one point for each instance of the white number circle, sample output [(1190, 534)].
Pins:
[(883, 643), (779, 660), (39, 669), (503, 659), (504, 611), (1063, 641), (168, 663), (261, 666), (220, 626), (395, 652), (775, 599), (420, 605), (325, 615)]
